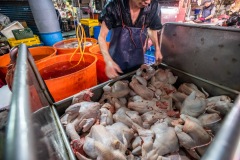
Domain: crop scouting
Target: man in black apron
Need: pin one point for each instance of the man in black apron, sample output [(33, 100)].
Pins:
[(130, 22), (208, 11)]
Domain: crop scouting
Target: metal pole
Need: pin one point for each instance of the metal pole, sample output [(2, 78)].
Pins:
[(19, 141)]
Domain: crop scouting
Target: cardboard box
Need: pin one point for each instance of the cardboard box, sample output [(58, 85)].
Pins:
[(23, 23)]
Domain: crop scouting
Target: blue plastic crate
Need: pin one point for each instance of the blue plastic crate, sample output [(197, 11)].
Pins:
[(149, 59)]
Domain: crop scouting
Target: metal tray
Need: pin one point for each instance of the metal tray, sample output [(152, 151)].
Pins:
[(225, 151)]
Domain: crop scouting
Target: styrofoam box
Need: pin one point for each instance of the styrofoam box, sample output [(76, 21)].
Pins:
[(7, 31)]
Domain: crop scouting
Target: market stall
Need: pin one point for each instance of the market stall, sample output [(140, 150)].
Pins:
[(195, 59), (225, 12)]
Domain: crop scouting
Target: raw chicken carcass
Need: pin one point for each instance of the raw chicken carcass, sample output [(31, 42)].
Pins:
[(166, 140), (151, 117), (121, 116), (142, 106), (141, 90), (178, 96), (106, 117), (87, 115), (188, 88), (118, 90), (165, 76), (193, 105), (210, 122), (221, 107), (84, 95), (101, 144), (134, 116), (147, 137), (156, 83), (145, 71), (193, 137), (137, 146), (119, 129)]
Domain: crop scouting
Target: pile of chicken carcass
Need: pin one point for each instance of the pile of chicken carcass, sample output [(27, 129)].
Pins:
[(146, 118)]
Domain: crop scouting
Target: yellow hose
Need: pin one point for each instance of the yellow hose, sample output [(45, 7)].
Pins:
[(81, 44)]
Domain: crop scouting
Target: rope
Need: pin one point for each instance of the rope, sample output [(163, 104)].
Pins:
[(81, 42)]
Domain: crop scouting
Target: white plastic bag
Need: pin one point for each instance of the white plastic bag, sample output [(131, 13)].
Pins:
[(4, 21)]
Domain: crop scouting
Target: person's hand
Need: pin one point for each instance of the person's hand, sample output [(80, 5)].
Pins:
[(158, 57), (112, 69), (202, 19)]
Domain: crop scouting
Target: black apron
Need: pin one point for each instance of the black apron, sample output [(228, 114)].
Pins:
[(126, 46)]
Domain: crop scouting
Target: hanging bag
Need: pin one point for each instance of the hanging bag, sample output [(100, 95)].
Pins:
[(11, 68)]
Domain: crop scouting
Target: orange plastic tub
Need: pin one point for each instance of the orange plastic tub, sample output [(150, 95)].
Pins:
[(4, 61), (42, 53), (39, 54), (65, 47), (101, 75), (65, 79)]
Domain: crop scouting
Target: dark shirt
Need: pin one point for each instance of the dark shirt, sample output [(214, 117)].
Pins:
[(149, 16)]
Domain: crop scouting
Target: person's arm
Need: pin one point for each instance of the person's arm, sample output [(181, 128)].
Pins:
[(107, 19), (208, 17), (153, 29), (154, 37), (112, 69)]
